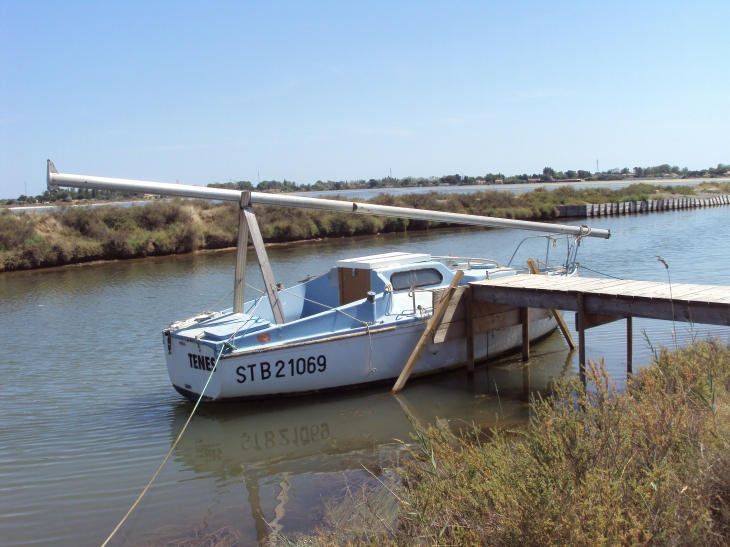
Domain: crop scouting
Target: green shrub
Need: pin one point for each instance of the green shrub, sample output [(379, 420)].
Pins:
[(15, 230)]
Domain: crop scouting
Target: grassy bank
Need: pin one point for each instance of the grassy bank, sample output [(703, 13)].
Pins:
[(647, 466), (79, 234)]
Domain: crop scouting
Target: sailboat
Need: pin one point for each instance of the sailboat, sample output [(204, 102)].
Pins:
[(356, 325)]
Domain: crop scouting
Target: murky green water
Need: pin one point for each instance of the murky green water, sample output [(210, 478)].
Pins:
[(88, 411)]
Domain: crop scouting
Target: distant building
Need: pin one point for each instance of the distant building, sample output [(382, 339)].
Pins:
[(533, 179), (480, 181), (498, 181)]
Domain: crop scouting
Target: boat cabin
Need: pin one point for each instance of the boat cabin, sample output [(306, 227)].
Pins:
[(370, 289)]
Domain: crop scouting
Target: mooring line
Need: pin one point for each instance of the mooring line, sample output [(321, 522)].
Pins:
[(364, 323), (596, 271), (169, 453), (200, 398)]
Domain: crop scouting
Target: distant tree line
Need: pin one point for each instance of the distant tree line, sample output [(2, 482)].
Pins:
[(69, 195), (548, 175)]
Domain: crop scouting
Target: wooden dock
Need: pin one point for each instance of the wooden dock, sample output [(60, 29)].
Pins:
[(595, 301)]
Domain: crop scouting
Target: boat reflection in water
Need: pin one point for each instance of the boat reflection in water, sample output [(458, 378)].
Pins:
[(282, 444)]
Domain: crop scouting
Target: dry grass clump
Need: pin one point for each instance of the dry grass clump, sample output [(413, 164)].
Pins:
[(81, 234), (647, 466), (714, 187)]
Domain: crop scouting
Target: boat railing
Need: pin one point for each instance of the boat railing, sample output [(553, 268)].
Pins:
[(552, 241)]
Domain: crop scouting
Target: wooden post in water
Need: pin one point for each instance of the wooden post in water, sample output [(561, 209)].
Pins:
[(241, 247), (469, 318), (580, 315), (629, 346), (438, 314), (525, 314)]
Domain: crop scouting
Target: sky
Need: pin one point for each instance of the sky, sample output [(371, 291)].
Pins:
[(203, 92)]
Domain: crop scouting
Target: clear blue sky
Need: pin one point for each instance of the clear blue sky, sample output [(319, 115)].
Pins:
[(210, 91)]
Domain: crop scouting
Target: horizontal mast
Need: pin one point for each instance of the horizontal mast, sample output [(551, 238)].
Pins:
[(56, 180)]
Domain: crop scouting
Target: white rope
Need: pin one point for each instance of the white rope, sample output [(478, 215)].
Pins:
[(219, 301), (200, 398), (370, 358), (254, 288), (364, 323), (232, 339), (168, 454)]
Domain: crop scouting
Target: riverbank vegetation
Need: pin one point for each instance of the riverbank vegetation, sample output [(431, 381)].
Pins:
[(649, 465), (162, 227)]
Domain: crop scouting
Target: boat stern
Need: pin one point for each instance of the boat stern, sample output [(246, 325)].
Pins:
[(192, 347), (190, 367)]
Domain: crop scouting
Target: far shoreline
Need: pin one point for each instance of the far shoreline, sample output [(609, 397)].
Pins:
[(445, 188)]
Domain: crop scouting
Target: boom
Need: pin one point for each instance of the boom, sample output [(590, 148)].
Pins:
[(56, 180)]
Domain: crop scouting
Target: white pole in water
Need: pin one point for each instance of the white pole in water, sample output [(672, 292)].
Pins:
[(56, 179)]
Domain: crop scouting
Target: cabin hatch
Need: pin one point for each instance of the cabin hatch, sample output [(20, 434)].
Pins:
[(353, 274)]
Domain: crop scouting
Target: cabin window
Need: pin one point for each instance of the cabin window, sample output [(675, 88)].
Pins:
[(415, 278)]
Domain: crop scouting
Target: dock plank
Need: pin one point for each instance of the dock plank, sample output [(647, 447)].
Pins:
[(700, 293), (624, 298)]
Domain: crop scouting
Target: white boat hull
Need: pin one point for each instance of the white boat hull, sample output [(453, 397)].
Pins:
[(330, 363)]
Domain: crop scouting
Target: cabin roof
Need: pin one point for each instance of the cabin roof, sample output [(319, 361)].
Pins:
[(373, 262)]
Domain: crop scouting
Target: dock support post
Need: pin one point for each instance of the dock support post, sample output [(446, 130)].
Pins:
[(525, 313), (581, 339), (468, 303), (629, 346), (241, 247)]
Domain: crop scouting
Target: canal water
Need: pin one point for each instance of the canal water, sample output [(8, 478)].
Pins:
[(368, 193), (88, 411)]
